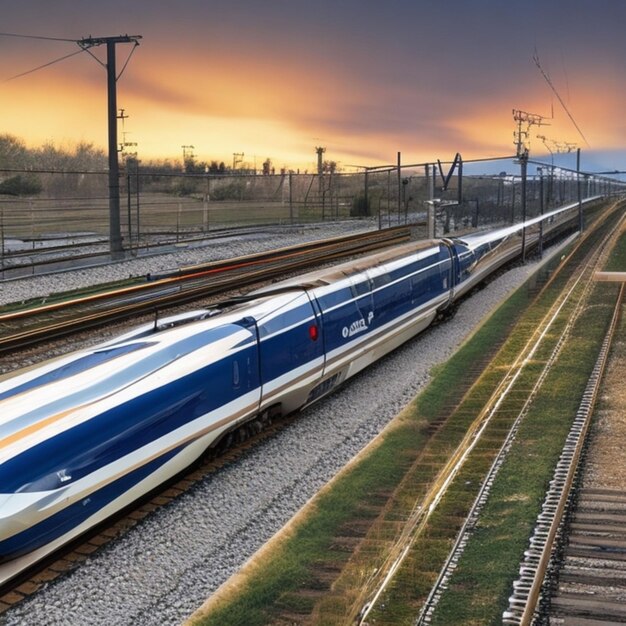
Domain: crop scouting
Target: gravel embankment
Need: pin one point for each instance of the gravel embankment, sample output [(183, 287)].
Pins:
[(164, 568)]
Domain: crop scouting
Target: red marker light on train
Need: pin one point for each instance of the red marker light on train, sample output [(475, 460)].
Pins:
[(313, 332)]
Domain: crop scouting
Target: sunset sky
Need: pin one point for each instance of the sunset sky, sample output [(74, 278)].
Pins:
[(366, 79)]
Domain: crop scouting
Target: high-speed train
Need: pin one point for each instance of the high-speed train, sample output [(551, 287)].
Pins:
[(85, 435)]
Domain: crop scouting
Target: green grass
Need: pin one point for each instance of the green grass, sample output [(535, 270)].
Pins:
[(617, 260), (293, 563)]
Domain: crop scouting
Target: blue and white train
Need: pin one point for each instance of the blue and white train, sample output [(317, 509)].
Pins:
[(83, 436)]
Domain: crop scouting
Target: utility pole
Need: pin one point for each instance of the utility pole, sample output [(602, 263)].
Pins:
[(524, 167), (237, 158), (115, 234), (580, 202), (188, 155), (524, 121)]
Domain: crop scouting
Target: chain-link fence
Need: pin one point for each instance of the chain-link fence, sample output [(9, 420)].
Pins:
[(156, 205)]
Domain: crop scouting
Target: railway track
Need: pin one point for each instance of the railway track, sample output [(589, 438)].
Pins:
[(25, 327), (595, 259), (497, 411), (592, 576), (565, 531), (34, 583), (27, 262)]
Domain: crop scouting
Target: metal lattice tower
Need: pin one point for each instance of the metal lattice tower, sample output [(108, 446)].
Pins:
[(524, 121)]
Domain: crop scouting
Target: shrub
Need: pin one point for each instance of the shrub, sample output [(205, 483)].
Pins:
[(21, 186), (361, 206)]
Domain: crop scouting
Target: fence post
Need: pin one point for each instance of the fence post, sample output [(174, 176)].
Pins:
[(389, 198), (460, 180), (513, 201), (137, 192), (322, 195), (580, 201), (430, 205), (205, 206), (399, 186), (2, 239), (541, 210), (476, 214), (524, 167), (291, 198), (130, 227)]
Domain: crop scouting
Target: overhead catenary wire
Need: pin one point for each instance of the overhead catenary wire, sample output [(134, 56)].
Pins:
[(130, 54), (40, 67), (556, 93), (19, 36)]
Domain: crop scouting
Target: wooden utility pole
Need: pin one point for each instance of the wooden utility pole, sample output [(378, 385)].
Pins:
[(115, 233)]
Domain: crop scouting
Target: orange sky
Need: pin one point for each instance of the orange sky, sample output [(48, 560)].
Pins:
[(276, 80)]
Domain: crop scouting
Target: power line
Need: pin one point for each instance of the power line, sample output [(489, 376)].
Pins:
[(40, 67), (115, 236), (556, 93), (85, 45), (36, 37)]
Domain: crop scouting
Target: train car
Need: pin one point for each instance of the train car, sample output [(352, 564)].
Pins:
[(83, 436)]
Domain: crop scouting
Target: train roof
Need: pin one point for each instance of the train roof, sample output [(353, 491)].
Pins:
[(333, 274), (479, 238)]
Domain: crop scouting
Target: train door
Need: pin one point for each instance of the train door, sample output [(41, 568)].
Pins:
[(291, 352), (347, 319)]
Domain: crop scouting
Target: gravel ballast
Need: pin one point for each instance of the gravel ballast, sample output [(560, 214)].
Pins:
[(41, 286), (166, 567)]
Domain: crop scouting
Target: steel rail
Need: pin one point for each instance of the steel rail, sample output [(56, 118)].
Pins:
[(214, 267), (191, 284), (190, 237), (463, 536), (527, 589), (421, 513)]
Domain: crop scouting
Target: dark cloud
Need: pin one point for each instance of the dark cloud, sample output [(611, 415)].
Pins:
[(400, 72)]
